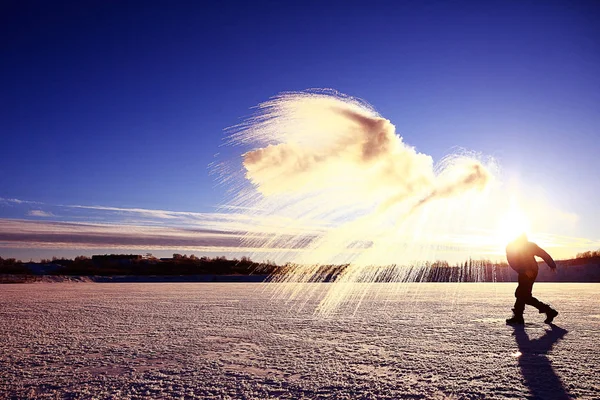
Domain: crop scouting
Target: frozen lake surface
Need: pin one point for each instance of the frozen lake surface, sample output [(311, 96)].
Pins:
[(236, 341)]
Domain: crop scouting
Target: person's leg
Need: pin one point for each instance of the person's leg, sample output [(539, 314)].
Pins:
[(519, 307), (542, 308), (522, 293)]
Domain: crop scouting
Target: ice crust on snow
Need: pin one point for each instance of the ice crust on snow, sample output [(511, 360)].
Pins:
[(235, 340)]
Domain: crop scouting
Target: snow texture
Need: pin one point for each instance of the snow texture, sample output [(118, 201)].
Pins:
[(235, 340)]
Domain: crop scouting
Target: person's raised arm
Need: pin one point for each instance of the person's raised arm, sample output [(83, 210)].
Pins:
[(538, 251)]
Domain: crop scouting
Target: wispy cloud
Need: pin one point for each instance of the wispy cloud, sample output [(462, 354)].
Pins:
[(40, 213), (61, 235), (220, 221), (236, 231), (17, 201), (160, 214)]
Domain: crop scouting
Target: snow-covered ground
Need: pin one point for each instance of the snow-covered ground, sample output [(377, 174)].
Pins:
[(235, 340)]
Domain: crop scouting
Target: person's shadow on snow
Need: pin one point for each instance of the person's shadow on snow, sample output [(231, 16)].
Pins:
[(540, 378)]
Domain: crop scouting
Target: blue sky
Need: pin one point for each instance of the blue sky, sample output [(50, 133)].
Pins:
[(115, 104)]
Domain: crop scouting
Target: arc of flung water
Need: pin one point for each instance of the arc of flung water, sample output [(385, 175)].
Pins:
[(320, 156)]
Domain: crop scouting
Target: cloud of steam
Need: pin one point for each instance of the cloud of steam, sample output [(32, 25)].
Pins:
[(323, 141), (323, 156), (40, 213)]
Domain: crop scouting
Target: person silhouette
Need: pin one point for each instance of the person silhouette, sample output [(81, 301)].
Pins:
[(520, 254)]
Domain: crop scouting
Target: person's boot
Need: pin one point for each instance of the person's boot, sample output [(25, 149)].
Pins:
[(550, 315), (516, 319), (549, 311)]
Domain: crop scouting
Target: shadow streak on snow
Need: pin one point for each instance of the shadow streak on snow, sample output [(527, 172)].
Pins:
[(536, 368)]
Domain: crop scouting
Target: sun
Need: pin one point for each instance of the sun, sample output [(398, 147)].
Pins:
[(513, 223)]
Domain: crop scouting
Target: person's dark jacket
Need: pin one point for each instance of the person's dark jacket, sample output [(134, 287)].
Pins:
[(521, 257)]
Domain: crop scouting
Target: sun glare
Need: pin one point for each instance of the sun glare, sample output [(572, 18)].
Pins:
[(512, 224)]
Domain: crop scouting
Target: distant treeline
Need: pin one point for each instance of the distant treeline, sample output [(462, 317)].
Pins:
[(134, 264), (438, 271), (589, 254), (13, 266), (584, 268)]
